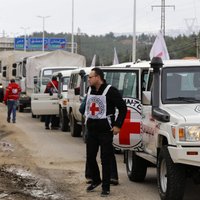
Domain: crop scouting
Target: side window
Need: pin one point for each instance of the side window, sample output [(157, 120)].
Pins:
[(146, 80), (71, 81)]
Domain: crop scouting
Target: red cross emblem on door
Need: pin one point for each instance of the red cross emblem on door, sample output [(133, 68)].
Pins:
[(127, 129), (94, 108)]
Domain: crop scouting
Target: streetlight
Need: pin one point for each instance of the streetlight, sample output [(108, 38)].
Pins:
[(134, 33), (72, 48), (24, 28), (43, 23)]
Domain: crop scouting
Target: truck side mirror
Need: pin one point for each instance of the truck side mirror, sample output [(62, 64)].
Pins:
[(82, 73), (14, 72), (4, 74), (77, 91), (146, 97), (35, 80)]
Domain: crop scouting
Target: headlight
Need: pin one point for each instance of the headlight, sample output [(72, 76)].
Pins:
[(192, 133), (187, 134), (1, 86)]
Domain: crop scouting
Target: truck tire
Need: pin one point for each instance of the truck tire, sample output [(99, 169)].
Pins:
[(171, 177), (42, 118), (64, 120), (1, 95), (33, 116), (75, 129), (136, 167), (84, 130), (21, 108)]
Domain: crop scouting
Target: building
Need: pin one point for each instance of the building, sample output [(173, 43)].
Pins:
[(6, 43)]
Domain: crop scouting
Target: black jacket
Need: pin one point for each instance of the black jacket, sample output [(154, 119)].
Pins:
[(114, 100)]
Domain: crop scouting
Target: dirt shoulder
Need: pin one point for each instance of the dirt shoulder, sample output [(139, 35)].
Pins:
[(23, 175)]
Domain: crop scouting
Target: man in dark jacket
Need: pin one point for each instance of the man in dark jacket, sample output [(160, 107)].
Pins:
[(101, 104)]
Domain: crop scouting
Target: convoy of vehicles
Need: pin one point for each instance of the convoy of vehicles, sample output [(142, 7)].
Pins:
[(161, 128)]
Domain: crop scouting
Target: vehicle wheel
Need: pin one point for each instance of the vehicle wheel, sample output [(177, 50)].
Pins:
[(42, 118), (64, 120), (33, 116), (84, 133), (84, 130), (171, 177), (1, 95), (75, 129), (21, 108), (136, 167)]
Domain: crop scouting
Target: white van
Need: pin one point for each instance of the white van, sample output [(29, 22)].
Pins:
[(56, 104)]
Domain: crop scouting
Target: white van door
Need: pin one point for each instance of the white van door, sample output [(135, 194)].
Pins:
[(44, 104)]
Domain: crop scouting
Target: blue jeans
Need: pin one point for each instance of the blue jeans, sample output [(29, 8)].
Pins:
[(12, 105)]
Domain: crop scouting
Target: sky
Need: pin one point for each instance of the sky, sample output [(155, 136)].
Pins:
[(96, 17)]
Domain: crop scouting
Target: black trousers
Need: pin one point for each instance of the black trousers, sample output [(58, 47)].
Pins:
[(104, 141), (113, 169)]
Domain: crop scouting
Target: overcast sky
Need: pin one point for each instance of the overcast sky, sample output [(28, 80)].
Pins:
[(95, 17)]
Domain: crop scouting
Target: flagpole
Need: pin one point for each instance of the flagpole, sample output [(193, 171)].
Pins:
[(134, 33)]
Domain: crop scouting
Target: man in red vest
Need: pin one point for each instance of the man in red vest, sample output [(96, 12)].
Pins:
[(11, 99)]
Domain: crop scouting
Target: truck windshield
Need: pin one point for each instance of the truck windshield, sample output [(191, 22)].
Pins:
[(125, 81), (180, 85), (47, 73), (64, 83)]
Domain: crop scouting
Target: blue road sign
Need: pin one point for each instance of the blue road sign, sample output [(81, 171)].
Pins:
[(36, 43)]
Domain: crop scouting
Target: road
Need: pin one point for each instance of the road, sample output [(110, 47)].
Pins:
[(52, 163)]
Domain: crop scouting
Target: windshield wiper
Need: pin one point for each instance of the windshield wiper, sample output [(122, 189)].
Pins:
[(186, 99)]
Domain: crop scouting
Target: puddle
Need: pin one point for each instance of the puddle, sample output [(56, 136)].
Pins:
[(19, 183)]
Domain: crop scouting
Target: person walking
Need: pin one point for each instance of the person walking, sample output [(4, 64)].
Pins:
[(11, 99), (52, 87), (101, 103)]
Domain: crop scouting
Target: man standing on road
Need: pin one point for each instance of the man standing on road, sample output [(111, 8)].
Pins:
[(102, 101), (11, 98), (52, 87)]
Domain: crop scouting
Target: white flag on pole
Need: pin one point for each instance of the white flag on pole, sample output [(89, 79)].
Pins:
[(115, 59), (93, 64), (159, 48)]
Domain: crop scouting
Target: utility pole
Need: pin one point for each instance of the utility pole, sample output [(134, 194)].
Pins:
[(72, 39), (163, 6), (25, 29), (134, 33), (197, 47), (43, 29)]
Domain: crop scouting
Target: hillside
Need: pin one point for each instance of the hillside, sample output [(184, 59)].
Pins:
[(103, 46)]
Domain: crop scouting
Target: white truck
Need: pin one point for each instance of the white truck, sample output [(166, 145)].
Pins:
[(56, 104), (40, 68), (162, 125), (164, 130), (9, 61)]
